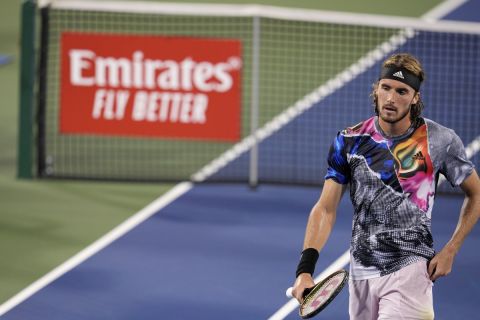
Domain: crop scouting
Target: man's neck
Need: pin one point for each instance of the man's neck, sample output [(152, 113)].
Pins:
[(395, 129)]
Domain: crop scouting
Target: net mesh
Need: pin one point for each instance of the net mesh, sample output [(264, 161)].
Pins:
[(314, 80), (126, 158)]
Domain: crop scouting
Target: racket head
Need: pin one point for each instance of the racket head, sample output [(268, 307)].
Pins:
[(322, 294)]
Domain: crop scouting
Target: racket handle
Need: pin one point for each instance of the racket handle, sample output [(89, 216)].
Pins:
[(288, 293)]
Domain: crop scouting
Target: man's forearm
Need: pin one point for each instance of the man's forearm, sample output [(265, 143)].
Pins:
[(320, 224), (469, 216)]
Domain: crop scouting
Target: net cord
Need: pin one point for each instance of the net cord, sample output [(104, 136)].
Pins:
[(307, 15)]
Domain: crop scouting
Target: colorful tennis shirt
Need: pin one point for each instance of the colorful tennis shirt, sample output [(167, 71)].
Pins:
[(392, 188)]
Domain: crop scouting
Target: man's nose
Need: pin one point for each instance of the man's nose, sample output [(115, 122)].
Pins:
[(391, 97)]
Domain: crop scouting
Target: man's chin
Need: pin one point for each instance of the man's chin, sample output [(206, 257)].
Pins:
[(388, 119)]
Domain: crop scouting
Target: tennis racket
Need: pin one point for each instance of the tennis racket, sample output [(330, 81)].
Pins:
[(315, 299)]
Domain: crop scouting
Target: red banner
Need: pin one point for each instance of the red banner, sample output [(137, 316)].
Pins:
[(155, 86)]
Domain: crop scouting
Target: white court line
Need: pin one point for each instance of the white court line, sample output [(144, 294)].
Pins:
[(473, 148), (98, 245), (442, 9)]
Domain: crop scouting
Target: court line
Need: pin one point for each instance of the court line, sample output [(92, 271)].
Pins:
[(443, 9), (98, 245), (473, 148)]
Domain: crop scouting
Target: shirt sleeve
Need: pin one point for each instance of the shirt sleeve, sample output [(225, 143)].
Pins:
[(455, 166), (338, 168)]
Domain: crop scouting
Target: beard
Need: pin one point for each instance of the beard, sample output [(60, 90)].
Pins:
[(394, 118)]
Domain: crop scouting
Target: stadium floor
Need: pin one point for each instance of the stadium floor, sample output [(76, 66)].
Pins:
[(226, 252)]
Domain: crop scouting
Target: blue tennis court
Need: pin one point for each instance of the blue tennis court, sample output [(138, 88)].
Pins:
[(226, 252)]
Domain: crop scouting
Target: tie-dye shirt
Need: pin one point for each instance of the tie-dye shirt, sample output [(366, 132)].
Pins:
[(392, 188)]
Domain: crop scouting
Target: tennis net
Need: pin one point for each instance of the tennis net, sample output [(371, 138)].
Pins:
[(299, 77)]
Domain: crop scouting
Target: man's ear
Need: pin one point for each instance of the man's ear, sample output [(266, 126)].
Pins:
[(416, 98), (375, 91)]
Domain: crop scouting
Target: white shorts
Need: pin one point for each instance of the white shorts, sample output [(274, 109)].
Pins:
[(404, 294)]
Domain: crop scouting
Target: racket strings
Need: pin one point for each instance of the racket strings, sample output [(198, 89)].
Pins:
[(321, 295), (317, 297)]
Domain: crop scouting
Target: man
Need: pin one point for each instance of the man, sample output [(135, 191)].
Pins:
[(391, 163)]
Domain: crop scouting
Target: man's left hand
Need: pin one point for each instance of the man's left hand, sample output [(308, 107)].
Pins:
[(441, 264)]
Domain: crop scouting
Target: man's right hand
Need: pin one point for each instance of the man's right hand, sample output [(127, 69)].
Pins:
[(303, 282)]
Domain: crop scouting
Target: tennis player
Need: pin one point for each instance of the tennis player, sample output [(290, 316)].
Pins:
[(391, 163)]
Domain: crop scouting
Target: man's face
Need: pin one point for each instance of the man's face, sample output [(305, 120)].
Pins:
[(394, 99)]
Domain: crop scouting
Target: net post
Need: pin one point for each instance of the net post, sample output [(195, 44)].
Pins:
[(253, 174), (42, 169), (26, 85)]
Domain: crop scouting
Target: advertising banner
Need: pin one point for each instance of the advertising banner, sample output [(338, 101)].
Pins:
[(150, 86)]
